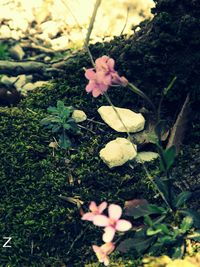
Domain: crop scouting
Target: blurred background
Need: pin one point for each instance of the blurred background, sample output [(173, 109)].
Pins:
[(62, 24)]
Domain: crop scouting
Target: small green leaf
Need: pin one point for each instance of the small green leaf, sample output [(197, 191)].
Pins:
[(178, 251), (143, 210), (186, 224), (56, 128), (194, 214), (166, 90), (169, 157), (182, 198), (151, 231)]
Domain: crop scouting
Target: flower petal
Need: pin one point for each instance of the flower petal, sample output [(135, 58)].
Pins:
[(96, 92), (114, 211), (96, 249), (109, 234), (90, 74), (90, 86), (111, 64), (106, 261), (101, 220), (102, 206), (88, 216), (123, 225), (93, 207)]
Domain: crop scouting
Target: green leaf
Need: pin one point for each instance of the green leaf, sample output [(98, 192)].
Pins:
[(143, 210), (166, 90), (53, 110), (186, 224), (139, 244), (194, 214), (64, 142), (169, 157), (151, 231), (163, 187), (56, 128), (160, 129), (178, 252), (182, 198)]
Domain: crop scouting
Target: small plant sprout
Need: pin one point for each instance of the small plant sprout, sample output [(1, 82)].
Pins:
[(103, 251), (61, 122)]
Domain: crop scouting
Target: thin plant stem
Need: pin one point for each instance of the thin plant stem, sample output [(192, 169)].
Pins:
[(143, 95), (142, 162)]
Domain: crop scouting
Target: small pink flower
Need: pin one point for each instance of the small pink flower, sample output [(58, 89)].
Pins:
[(103, 76), (95, 210), (103, 252), (112, 223)]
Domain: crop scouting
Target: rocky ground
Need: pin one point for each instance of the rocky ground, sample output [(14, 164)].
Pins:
[(42, 32)]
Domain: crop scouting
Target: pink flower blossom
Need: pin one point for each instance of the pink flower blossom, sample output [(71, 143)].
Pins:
[(95, 210), (112, 223), (103, 252), (103, 76)]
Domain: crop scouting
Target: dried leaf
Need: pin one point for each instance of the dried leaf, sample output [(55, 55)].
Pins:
[(178, 130)]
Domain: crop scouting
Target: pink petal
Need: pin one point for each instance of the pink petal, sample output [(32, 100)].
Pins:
[(109, 234), (93, 206), (106, 261), (88, 216), (123, 225), (90, 74), (101, 220), (96, 92), (114, 211), (102, 206), (96, 249), (111, 64), (90, 86)]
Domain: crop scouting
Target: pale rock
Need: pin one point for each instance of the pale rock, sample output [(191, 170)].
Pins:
[(22, 80), (134, 122), (118, 152), (18, 22), (5, 32), (31, 86), (17, 52), (50, 28), (60, 43), (79, 115), (47, 59), (146, 156), (8, 80)]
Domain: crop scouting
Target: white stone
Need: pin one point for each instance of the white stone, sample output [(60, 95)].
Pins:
[(17, 52), (21, 80), (60, 43), (50, 28), (134, 122), (8, 80), (118, 152), (79, 115), (32, 86), (146, 156), (5, 32)]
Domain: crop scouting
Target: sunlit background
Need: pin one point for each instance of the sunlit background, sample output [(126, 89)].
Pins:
[(60, 24)]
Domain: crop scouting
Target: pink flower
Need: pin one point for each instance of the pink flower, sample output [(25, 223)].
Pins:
[(95, 210), (112, 223), (103, 252), (103, 76)]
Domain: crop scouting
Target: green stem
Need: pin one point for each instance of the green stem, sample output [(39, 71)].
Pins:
[(143, 164), (143, 95)]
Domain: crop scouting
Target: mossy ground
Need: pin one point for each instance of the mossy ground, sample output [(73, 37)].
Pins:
[(45, 229)]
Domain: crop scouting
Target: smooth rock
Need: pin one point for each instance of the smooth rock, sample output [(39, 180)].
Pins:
[(51, 28), (60, 43), (79, 115), (118, 152), (146, 156), (134, 122), (5, 32), (32, 86), (8, 80), (17, 52), (22, 80)]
